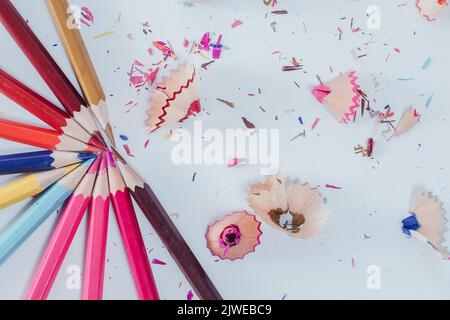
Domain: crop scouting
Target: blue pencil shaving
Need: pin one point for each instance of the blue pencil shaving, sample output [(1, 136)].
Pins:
[(428, 102), (410, 223), (426, 64)]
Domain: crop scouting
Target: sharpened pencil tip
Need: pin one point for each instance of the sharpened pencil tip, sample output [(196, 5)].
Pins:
[(110, 158), (98, 136), (94, 143), (92, 149), (109, 133), (83, 156), (117, 156)]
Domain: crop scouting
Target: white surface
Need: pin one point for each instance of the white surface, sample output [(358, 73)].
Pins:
[(375, 195)]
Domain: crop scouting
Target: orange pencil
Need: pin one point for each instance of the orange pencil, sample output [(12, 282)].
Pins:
[(41, 137)]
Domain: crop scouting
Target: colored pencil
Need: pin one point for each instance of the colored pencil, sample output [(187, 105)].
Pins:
[(31, 185), (168, 232), (46, 66), (62, 237), (41, 137), (40, 161), (94, 262), (43, 109), (42, 208), (131, 234), (82, 65)]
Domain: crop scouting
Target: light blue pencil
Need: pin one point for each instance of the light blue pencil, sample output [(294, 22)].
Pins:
[(45, 205)]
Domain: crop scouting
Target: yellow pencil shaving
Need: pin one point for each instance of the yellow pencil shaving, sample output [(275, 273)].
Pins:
[(104, 34)]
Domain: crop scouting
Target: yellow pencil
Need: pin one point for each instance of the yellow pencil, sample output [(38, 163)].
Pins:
[(31, 185), (81, 64)]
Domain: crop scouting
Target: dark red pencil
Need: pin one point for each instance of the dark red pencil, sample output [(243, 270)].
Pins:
[(43, 109), (50, 72)]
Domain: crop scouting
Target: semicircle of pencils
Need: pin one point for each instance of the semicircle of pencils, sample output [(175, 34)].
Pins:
[(31, 185), (46, 66), (41, 137), (40, 161), (43, 109), (39, 211), (62, 237), (131, 234)]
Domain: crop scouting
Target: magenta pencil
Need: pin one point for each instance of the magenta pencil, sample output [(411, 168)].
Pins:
[(131, 234), (94, 266), (62, 237)]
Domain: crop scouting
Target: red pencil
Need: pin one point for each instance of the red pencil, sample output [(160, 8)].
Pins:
[(94, 265), (131, 234), (43, 109), (50, 72), (40, 137), (62, 237)]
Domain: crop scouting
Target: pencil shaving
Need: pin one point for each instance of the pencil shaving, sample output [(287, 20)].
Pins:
[(175, 99), (234, 236), (289, 206)]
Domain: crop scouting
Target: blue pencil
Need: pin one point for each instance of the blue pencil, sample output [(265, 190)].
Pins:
[(40, 161), (40, 210)]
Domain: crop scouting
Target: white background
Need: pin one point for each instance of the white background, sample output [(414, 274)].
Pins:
[(375, 193)]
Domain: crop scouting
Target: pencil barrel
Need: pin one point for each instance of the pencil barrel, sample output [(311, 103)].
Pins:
[(134, 246), (32, 102), (94, 267), (57, 248), (22, 163), (40, 161)]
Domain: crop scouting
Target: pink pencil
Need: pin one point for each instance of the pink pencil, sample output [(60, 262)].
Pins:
[(94, 266), (131, 234), (62, 237)]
